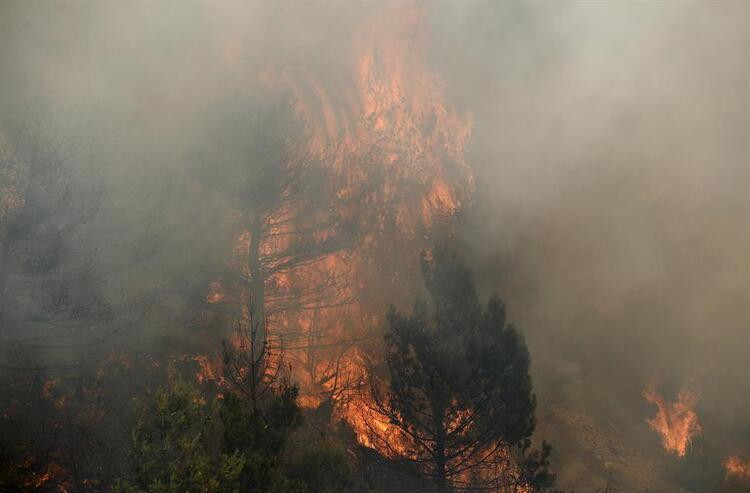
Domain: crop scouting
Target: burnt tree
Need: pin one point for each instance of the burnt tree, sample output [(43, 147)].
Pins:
[(282, 220)]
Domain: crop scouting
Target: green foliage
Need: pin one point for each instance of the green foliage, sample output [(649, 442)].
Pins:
[(324, 468), (171, 449), (178, 445), (259, 435), (534, 467), (264, 429), (460, 390)]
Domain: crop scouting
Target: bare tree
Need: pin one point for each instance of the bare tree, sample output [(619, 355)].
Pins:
[(285, 224), (251, 365), (54, 304)]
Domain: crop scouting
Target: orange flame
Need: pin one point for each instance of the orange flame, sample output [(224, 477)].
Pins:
[(386, 123), (676, 422), (209, 369), (736, 467), (393, 150), (388, 118)]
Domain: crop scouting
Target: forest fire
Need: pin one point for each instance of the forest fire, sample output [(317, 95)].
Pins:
[(388, 124), (676, 422), (373, 247)]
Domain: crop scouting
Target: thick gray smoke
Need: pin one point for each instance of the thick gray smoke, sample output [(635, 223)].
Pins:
[(613, 210), (609, 146)]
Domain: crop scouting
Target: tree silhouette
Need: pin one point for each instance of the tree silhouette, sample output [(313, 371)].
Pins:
[(459, 400), (283, 221), (54, 303)]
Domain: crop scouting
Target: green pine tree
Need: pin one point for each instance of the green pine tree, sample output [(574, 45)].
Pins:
[(183, 444), (460, 393), (171, 445)]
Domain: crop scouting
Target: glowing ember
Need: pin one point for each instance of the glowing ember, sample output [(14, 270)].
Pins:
[(676, 422), (208, 369), (736, 467), (53, 472), (52, 392)]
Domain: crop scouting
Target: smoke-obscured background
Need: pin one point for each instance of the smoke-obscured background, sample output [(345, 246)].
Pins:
[(610, 152), (611, 156)]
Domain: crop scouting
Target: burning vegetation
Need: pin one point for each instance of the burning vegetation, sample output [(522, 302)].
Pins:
[(676, 422), (350, 187), (737, 468)]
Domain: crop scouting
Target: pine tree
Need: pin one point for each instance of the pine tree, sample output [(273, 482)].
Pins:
[(183, 443), (460, 393)]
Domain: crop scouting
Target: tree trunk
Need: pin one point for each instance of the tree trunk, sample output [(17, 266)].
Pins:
[(257, 290), (440, 479)]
